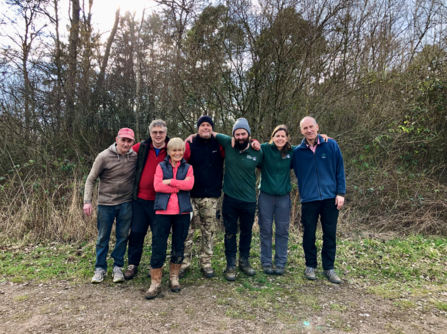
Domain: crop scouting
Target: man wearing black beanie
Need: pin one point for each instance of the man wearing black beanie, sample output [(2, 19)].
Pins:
[(206, 156)]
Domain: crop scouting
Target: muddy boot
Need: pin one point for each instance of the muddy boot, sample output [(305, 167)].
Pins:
[(173, 276), (245, 266), (230, 271), (155, 287)]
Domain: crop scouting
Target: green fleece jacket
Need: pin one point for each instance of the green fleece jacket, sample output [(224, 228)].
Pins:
[(240, 167), (275, 171)]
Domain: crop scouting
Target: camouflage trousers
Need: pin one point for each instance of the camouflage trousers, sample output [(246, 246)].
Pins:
[(204, 217)]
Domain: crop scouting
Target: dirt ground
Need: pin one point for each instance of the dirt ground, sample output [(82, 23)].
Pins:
[(202, 307)]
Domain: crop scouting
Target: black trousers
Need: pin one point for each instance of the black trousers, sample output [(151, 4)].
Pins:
[(328, 213), (160, 234), (232, 210), (143, 217)]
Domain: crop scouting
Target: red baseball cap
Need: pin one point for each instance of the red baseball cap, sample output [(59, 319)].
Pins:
[(126, 133)]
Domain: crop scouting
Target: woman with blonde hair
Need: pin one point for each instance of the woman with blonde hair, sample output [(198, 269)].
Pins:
[(173, 180)]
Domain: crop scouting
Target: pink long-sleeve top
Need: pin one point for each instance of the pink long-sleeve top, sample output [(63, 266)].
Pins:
[(173, 208)]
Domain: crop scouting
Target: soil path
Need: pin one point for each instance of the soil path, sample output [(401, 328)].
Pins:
[(209, 307)]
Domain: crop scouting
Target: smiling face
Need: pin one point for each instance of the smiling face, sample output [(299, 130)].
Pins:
[(123, 145), (158, 136), (176, 154), (205, 130), (280, 139), (309, 128)]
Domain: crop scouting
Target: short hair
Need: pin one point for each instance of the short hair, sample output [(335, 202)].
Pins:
[(176, 143), (301, 122), (158, 123)]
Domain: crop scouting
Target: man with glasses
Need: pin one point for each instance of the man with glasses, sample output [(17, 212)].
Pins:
[(150, 153)]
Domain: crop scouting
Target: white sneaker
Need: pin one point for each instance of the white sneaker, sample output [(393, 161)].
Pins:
[(99, 276), (118, 276)]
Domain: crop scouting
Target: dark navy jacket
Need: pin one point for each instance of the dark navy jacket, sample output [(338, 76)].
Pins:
[(321, 175), (207, 161), (162, 199)]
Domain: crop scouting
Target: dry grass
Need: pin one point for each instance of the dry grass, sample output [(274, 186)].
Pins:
[(38, 209)]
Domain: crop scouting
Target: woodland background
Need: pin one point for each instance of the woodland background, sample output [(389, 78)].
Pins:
[(372, 72)]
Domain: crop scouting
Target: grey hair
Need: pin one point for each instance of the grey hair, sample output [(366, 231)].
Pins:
[(158, 123), (301, 122)]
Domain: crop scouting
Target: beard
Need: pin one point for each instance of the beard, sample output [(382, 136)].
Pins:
[(241, 145)]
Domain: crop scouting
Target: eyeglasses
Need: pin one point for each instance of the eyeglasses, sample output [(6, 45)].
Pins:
[(158, 132)]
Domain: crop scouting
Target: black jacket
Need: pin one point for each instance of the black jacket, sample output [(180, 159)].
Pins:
[(207, 161)]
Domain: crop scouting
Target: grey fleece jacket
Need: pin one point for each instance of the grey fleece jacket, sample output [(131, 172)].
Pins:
[(116, 175)]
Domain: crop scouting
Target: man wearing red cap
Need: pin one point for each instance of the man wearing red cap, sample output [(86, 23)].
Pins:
[(115, 168)]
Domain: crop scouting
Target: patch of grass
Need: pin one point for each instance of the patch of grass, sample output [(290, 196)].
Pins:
[(387, 290), (21, 298), (442, 306), (338, 307), (405, 304), (399, 269)]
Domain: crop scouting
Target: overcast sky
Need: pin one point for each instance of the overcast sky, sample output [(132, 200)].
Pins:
[(103, 11)]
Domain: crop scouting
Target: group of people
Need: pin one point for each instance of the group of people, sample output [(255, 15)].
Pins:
[(160, 182)]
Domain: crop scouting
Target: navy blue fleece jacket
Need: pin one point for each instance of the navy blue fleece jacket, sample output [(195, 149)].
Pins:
[(321, 175)]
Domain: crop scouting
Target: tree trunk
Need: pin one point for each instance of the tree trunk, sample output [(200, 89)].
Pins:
[(72, 55)]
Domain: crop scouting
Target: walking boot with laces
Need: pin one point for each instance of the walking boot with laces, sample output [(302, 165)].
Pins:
[(310, 273), (208, 272), (155, 287), (131, 271), (245, 266), (267, 269), (230, 271), (278, 270), (173, 276), (332, 276)]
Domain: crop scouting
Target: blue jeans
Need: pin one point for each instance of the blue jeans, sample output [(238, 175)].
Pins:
[(106, 217), (270, 206)]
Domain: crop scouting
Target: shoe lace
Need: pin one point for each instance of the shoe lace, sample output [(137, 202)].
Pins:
[(131, 267), (117, 270), (309, 270), (99, 272), (331, 272)]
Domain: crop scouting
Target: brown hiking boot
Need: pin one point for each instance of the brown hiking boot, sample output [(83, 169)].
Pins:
[(155, 287), (131, 271), (173, 276)]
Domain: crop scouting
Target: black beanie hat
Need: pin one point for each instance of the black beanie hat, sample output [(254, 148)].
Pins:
[(205, 118)]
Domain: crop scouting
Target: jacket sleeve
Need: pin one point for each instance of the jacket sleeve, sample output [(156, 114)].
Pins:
[(185, 185), (187, 154), (96, 170), (340, 174), (136, 147), (222, 151), (159, 186), (223, 140)]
